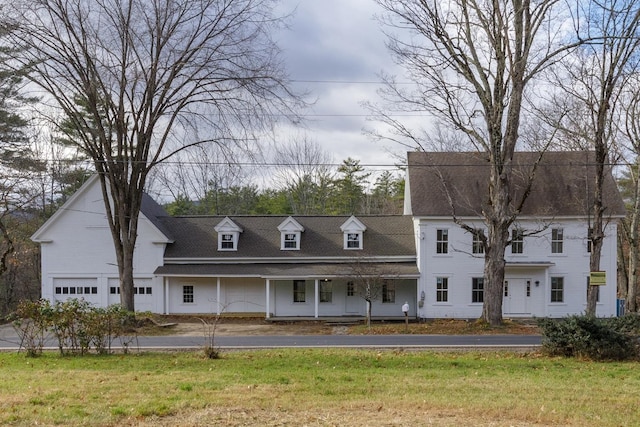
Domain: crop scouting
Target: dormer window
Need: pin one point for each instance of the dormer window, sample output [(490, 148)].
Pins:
[(227, 242), (228, 235), (353, 240), (291, 241), (353, 231), (290, 232)]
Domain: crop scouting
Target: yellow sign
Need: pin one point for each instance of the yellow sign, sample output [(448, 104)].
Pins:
[(598, 278)]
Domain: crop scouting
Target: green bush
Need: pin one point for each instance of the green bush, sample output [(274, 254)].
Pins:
[(593, 338)]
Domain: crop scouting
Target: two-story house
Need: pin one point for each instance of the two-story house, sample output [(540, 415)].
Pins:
[(547, 261)]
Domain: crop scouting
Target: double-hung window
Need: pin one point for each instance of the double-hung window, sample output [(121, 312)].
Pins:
[(226, 241), (477, 289), (442, 289), (477, 247), (187, 294), (557, 289), (442, 241), (517, 241), (556, 240)]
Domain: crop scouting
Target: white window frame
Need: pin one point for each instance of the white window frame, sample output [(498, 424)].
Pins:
[(442, 289), (442, 241), (477, 290), (351, 238), (286, 240), (226, 239), (557, 240), (517, 241), (186, 295), (556, 288), (477, 248)]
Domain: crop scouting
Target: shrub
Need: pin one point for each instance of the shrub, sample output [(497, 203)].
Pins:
[(591, 337), (75, 324), (31, 322)]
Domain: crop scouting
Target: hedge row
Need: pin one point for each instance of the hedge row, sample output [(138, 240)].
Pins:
[(614, 338), (75, 325)]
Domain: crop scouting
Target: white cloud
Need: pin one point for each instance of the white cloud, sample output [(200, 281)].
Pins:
[(335, 49)]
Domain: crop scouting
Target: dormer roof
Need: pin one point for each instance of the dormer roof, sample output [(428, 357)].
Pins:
[(227, 226), (290, 225), (353, 225)]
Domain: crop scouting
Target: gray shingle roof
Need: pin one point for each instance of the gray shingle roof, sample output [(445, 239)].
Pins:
[(401, 269), (195, 237), (563, 184)]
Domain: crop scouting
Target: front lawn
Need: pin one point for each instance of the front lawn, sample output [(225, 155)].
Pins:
[(317, 388)]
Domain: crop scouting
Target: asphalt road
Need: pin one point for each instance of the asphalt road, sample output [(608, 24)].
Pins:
[(10, 342)]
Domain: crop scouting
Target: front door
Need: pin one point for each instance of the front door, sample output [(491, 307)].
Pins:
[(516, 296), (354, 303)]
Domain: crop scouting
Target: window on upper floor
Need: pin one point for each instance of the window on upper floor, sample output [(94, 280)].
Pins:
[(442, 241), (290, 241), (517, 241), (290, 234), (353, 231), (557, 240), (354, 241), (227, 241), (228, 235), (589, 243), (477, 246)]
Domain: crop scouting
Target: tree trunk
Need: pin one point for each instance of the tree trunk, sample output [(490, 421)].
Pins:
[(494, 265), (597, 233), (126, 280), (631, 304)]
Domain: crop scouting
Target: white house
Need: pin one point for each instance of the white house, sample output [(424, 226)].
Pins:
[(547, 262), (280, 266), (313, 266)]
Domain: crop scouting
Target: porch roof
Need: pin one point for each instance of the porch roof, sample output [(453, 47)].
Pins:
[(289, 271)]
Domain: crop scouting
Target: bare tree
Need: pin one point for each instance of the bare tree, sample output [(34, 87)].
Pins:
[(471, 62), (370, 281), (593, 80), (631, 227), (142, 79), (304, 173)]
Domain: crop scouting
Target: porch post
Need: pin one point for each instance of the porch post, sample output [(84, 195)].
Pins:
[(165, 291), (219, 304), (266, 305), (315, 299)]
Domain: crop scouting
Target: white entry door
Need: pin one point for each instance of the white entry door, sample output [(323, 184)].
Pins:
[(516, 294), (354, 303)]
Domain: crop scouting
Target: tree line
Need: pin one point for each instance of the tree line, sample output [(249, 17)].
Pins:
[(347, 191)]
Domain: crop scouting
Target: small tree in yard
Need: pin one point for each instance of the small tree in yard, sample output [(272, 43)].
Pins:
[(370, 281)]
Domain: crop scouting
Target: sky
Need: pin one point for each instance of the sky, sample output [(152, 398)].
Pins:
[(335, 49)]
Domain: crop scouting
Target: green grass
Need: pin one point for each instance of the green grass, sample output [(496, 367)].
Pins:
[(317, 387)]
